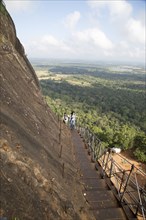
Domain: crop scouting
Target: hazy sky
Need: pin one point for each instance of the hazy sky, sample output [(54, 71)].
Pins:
[(74, 29)]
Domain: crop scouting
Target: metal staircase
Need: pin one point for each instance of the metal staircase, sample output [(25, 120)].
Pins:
[(99, 191)]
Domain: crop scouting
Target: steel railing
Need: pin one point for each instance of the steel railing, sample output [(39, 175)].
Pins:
[(129, 190)]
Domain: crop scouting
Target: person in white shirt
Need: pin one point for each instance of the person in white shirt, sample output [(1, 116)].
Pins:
[(72, 120), (65, 118)]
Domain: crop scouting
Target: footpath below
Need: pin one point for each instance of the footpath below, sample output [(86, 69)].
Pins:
[(101, 199)]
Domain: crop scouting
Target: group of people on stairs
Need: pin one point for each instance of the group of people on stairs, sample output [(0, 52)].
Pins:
[(70, 119)]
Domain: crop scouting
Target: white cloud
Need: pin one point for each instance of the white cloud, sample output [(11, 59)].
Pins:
[(82, 44), (119, 9), (123, 44), (97, 4), (116, 8), (126, 32), (72, 19), (86, 44), (125, 51), (135, 31), (115, 35), (49, 40), (94, 37), (47, 46), (17, 5)]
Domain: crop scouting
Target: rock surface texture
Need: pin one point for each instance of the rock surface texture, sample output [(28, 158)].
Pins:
[(39, 178)]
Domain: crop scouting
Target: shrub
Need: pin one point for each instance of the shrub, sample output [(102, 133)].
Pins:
[(140, 155)]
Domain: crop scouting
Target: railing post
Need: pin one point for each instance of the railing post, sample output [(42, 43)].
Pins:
[(60, 132), (122, 180), (103, 160), (93, 150), (94, 156), (111, 168), (86, 135), (140, 191), (60, 154), (103, 164), (132, 167), (93, 153), (96, 149), (100, 152), (107, 159)]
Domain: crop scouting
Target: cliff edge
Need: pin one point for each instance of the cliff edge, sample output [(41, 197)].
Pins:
[(36, 181)]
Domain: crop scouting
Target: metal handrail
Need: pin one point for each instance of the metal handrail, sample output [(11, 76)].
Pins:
[(125, 182)]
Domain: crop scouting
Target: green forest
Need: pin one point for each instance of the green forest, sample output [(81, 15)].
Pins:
[(107, 99)]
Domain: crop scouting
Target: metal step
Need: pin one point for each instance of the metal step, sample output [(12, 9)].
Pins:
[(97, 205), (109, 214), (104, 195), (94, 184), (89, 174)]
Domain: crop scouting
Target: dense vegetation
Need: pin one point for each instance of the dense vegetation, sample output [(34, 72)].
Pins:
[(110, 100)]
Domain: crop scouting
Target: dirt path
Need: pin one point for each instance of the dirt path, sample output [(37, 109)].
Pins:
[(128, 161)]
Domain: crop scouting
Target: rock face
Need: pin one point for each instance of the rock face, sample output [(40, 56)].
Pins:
[(37, 180)]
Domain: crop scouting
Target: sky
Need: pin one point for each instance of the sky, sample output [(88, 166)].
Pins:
[(99, 30)]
